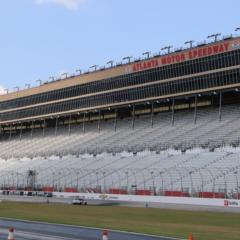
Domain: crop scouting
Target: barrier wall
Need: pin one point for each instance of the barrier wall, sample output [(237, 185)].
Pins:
[(218, 202)]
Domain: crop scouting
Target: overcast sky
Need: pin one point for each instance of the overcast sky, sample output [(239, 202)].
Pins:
[(42, 38)]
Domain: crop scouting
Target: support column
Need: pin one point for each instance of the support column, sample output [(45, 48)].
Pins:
[(99, 120), (84, 119), (0, 130), (10, 133), (195, 110), (220, 106), (20, 135), (152, 113), (133, 117), (115, 121), (173, 111), (56, 127), (44, 125), (69, 125), (32, 125)]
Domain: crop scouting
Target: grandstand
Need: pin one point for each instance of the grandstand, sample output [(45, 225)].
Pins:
[(166, 125)]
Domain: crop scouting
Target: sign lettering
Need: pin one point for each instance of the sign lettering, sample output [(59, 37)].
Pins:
[(199, 52)]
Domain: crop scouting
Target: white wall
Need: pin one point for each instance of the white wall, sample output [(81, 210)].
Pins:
[(155, 199)]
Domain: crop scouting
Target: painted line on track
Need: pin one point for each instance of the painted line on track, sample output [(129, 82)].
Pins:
[(92, 228), (32, 235)]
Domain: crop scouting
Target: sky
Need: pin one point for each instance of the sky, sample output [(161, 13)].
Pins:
[(44, 38)]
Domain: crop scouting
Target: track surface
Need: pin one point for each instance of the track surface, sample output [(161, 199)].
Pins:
[(40, 231)]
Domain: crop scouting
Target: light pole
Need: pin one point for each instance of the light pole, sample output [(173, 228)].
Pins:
[(235, 173), (171, 177), (17, 88), (119, 179), (52, 78), (215, 36), (202, 187), (127, 179), (23, 179), (111, 63), (181, 179), (53, 179), (190, 173), (133, 172), (77, 173), (167, 48), (27, 85), (212, 179), (224, 178), (153, 181), (144, 181), (17, 180), (110, 173), (104, 181), (94, 67), (79, 71), (58, 180), (82, 179), (128, 58), (97, 179), (147, 54), (190, 42), (161, 173), (6, 90), (13, 182), (8, 180), (40, 82), (64, 75)]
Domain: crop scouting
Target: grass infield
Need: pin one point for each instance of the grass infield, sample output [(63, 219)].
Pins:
[(175, 223)]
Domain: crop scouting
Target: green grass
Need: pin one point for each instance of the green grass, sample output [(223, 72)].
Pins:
[(203, 225)]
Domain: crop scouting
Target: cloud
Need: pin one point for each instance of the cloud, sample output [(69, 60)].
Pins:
[(2, 91), (69, 4)]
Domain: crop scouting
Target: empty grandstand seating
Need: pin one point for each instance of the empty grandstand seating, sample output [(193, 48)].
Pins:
[(185, 159), (184, 134)]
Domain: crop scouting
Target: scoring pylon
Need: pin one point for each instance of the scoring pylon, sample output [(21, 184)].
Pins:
[(11, 234)]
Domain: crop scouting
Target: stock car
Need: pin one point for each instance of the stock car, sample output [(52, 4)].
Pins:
[(79, 201)]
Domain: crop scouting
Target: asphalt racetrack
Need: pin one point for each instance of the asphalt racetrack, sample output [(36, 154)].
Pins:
[(25, 230)]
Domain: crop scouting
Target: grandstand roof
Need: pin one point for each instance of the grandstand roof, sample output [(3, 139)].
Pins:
[(157, 61)]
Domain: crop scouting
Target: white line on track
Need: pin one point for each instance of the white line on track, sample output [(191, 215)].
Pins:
[(77, 226), (38, 236)]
